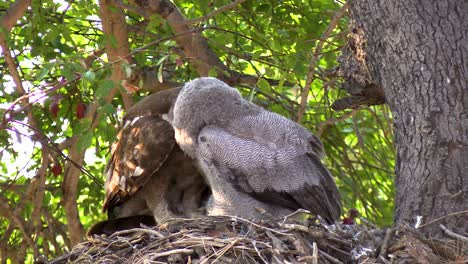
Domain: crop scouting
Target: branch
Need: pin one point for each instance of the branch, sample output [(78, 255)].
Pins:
[(14, 13), (443, 217), (194, 45), (313, 60), (115, 26), (212, 14), (7, 212), (322, 125), (453, 234), (39, 184), (25, 197)]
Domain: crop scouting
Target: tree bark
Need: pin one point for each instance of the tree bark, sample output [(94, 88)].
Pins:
[(416, 52)]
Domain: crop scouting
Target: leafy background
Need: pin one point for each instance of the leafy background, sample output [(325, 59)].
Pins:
[(273, 40)]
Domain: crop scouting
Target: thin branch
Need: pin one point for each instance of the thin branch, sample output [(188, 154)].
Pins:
[(211, 14), (135, 230), (171, 252), (443, 217), (322, 125), (453, 234), (67, 143), (384, 248), (6, 211), (313, 60), (194, 45)]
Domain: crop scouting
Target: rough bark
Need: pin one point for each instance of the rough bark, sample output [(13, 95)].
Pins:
[(417, 52)]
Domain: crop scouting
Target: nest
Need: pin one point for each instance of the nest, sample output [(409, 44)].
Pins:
[(227, 239)]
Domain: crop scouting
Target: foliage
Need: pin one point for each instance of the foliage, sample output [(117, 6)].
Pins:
[(57, 50)]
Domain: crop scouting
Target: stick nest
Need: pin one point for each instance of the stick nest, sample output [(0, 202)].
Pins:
[(226, 239)]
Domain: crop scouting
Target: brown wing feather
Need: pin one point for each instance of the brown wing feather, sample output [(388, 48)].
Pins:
[(143, 145)]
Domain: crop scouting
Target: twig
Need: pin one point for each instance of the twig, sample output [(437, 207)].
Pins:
[(315, 253), (258, 252), (322, 125), (339, 250), (141, 230), (260, 226), (443, 217), (298, 211), (384, 248), (330, 258), (20, 223), (172, 252), (224, 250), (453, 234), (296, 227), (313, 60)]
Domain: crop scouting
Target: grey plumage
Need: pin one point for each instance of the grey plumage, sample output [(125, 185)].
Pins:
[(252, 157)]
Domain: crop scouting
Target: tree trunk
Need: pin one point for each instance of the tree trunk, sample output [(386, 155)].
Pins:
[(417, 52)]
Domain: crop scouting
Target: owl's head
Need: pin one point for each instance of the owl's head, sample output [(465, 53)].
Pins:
[(205, 101)]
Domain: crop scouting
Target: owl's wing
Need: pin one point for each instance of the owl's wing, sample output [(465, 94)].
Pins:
[(143, 145), (155, 104), (274, 161)]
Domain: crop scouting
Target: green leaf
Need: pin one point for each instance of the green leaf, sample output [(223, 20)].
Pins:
[(104, 87), (106, 109), (89, 76), (264, 85), (160, 73), (213, 72), (85, 141), (162, 59), (43, 72), (67, 72)]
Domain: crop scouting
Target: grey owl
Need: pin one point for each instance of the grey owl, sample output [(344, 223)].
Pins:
[(252, 158)]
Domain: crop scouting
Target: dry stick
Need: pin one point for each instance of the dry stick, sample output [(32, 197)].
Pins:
[(315, 253), (453, 234), (313, 60), (171, 252), (384, 248), (258, 252), (443, 217), (260, 226), (224, 250), (339, 250), (330, 258), (298, 211), (134, 230)]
